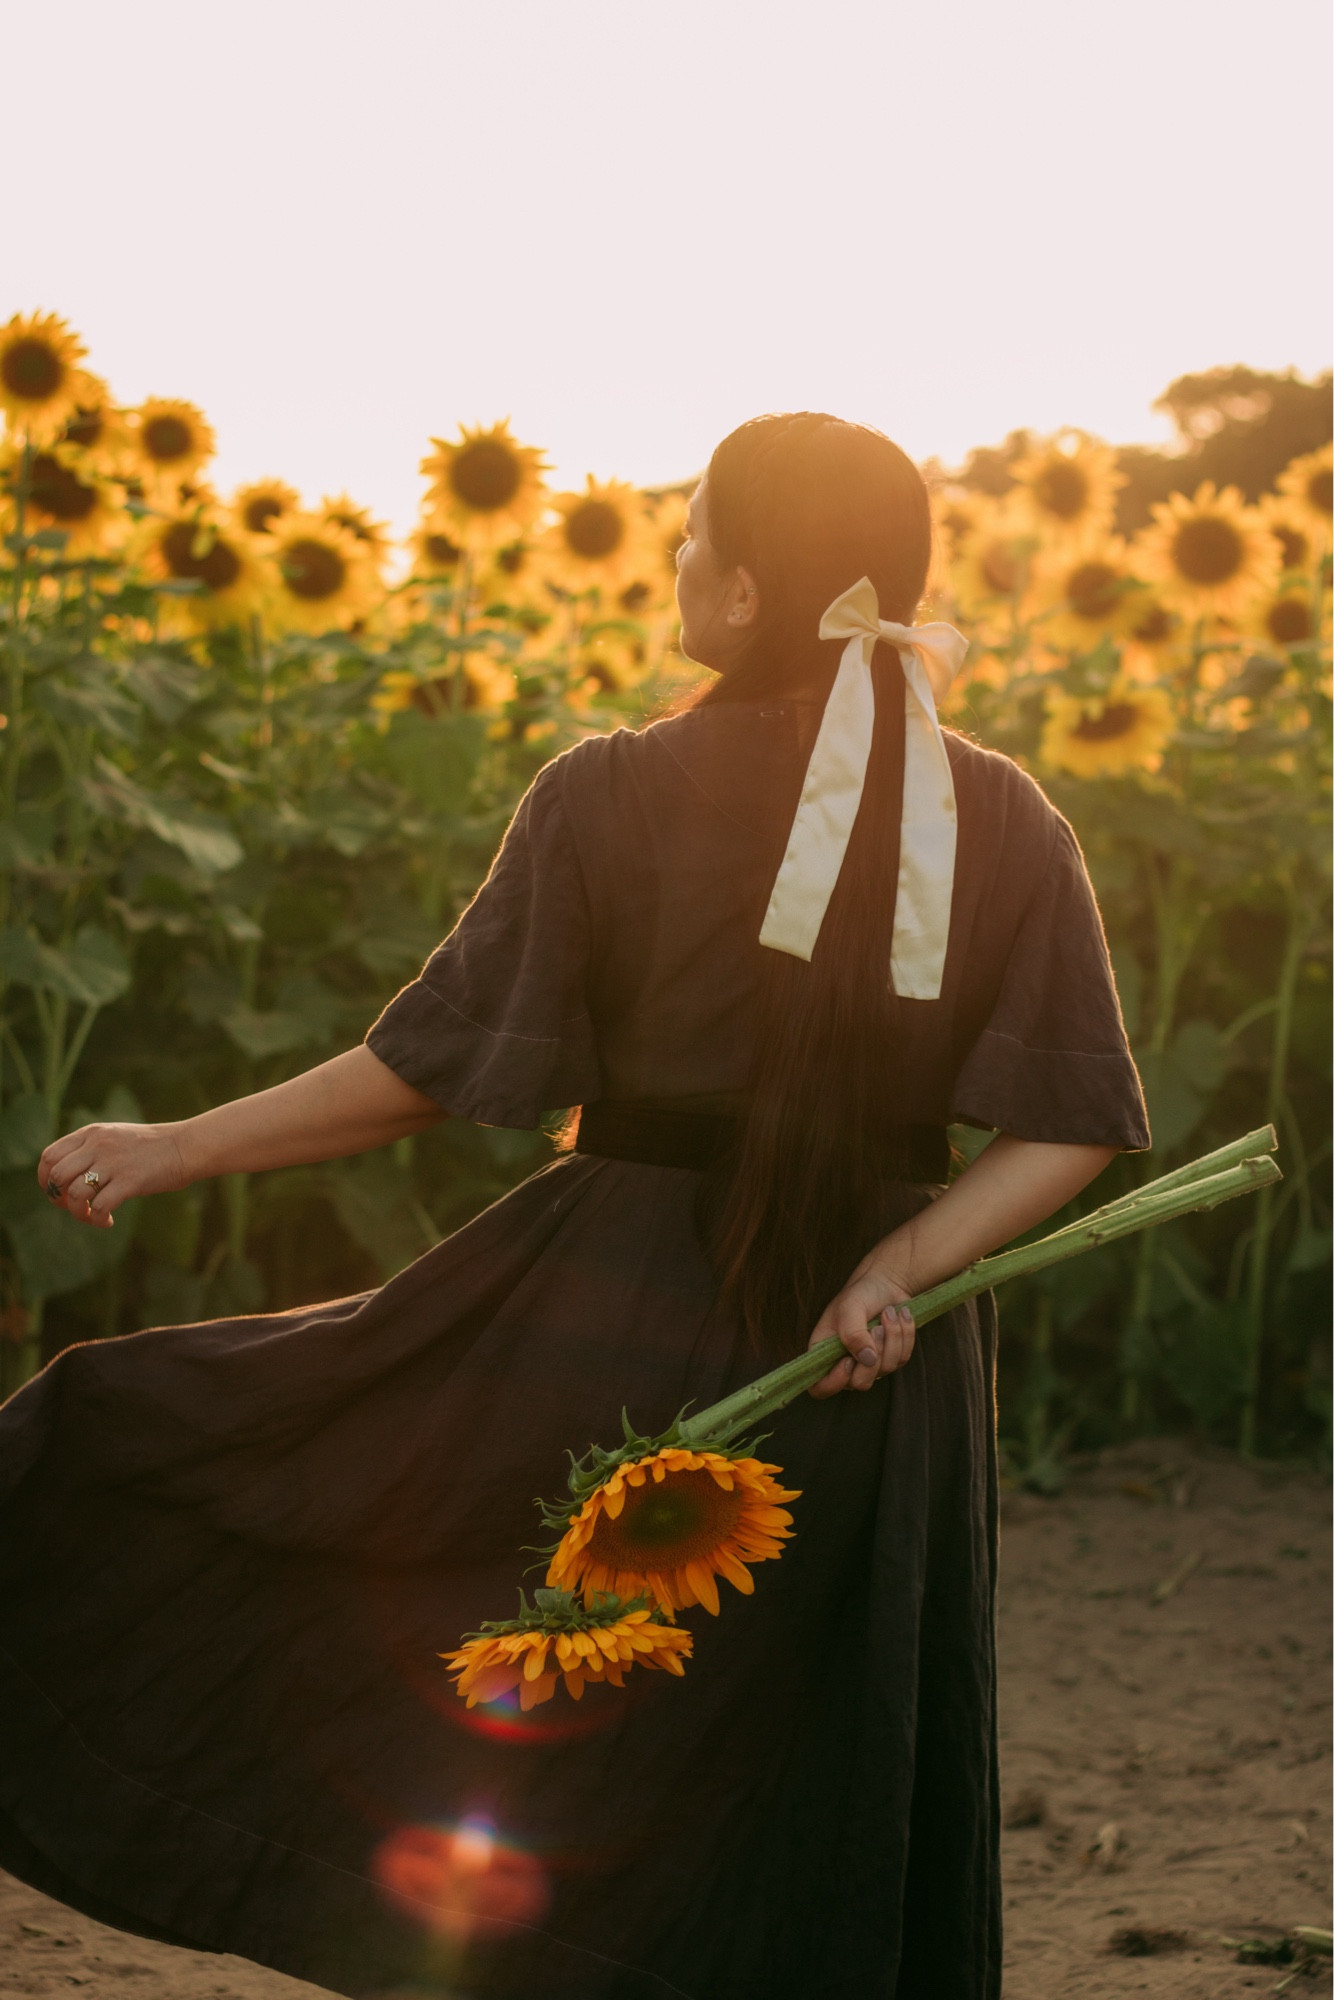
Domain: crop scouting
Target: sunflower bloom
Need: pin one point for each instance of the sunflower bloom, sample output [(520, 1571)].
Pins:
[(95, 428), (325, 576), (40, 377), (486, 487), (1105, 736), (230, 578), (172, 440), (1287, 618), (434, 550), (1308, 487), (1298, 546), (1068, 485), (1211, 554), (599, 538), (1088, 591), (670, 1524), (563, 1641), (256, 507), (993, 565), (957, 513), (343, 512), (62, 493)]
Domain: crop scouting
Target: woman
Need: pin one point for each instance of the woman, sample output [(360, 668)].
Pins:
[(772, 946)]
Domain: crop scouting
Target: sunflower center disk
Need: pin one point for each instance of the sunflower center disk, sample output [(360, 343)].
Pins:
[(1293, 544), (31, 369), (58, 493), (1117, 719), (594, 529), (1154, 626), (1093, 590), (1208, 550), (485, 476), (84, 428), (1320, 490), (312, 569), (1000, 569), (665, 1524), (183, 549), (1062, 490), (166, 439), (1289, 621)]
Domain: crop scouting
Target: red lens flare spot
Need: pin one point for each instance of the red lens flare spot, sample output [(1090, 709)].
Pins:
[(460, 1881)]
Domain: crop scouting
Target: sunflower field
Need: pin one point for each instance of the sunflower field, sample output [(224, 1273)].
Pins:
[(257, 757)]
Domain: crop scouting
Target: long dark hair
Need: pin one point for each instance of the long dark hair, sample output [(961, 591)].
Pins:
[(808, 504)]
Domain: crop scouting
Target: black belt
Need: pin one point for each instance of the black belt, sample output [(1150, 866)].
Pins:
[(664, 1135)]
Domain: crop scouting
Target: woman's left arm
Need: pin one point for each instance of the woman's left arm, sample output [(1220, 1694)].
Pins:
[(1009, 1187)]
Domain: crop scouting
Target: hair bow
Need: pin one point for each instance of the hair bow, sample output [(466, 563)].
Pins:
[(831, 794)]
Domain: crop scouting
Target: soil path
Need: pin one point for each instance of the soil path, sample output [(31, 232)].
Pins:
[(1164, 1762)]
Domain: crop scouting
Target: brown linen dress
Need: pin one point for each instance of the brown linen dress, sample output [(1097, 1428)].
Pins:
[(230, 1553)]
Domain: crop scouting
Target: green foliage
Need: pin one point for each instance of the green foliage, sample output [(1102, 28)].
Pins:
[(222, 856)]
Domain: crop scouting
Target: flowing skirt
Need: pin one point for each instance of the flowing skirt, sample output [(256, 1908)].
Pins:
[(231, 1553)]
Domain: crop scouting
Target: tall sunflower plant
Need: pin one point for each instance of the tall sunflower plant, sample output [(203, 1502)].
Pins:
[(256, 761), (1173, 693)]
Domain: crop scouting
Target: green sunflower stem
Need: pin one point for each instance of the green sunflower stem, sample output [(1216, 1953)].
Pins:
[(1197, 1186)]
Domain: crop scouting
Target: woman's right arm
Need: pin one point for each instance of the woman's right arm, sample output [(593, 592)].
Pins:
[(351, 1104)]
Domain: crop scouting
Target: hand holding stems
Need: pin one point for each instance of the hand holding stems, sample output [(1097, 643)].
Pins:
[(1009, 1187), (349, 1105)]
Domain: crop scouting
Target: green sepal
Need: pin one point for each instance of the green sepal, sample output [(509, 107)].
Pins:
[(562, 1611), (596, 1467)]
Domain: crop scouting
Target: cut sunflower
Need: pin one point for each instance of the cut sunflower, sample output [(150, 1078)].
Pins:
[(231, 578), (256, 507), (40, 378), (325, 576), (1107, 735), (559, 1638), (599, 538), (672, 1522), (1068, 485), (1088, 591), (171, 440), (1211, 554), (1308, 487), (486, 487), (677, 1510)]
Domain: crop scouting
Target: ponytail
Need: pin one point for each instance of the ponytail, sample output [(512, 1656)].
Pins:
[(808, 504)]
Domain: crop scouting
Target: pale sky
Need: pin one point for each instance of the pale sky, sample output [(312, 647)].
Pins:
[(343, 227)]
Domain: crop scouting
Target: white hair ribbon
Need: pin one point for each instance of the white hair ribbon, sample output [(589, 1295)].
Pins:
[(835, 775)]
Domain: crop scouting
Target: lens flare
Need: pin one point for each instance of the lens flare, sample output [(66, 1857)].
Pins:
[(461, 1882)]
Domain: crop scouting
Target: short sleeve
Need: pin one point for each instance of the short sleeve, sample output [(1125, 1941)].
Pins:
[(1052, 1062), (497, 1028)]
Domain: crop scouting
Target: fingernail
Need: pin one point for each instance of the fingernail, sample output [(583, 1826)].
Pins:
[(868, 1357)]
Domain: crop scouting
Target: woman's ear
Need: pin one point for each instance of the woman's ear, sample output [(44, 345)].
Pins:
[(745, 605)]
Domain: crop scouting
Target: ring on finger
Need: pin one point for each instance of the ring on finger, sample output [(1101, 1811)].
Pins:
[(92, 1179)]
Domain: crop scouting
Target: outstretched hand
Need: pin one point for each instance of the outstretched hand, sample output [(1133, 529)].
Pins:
[(871, 1319), (92, 1171)]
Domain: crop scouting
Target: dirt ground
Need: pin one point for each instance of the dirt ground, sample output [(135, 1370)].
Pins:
[(1164, 1746)]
